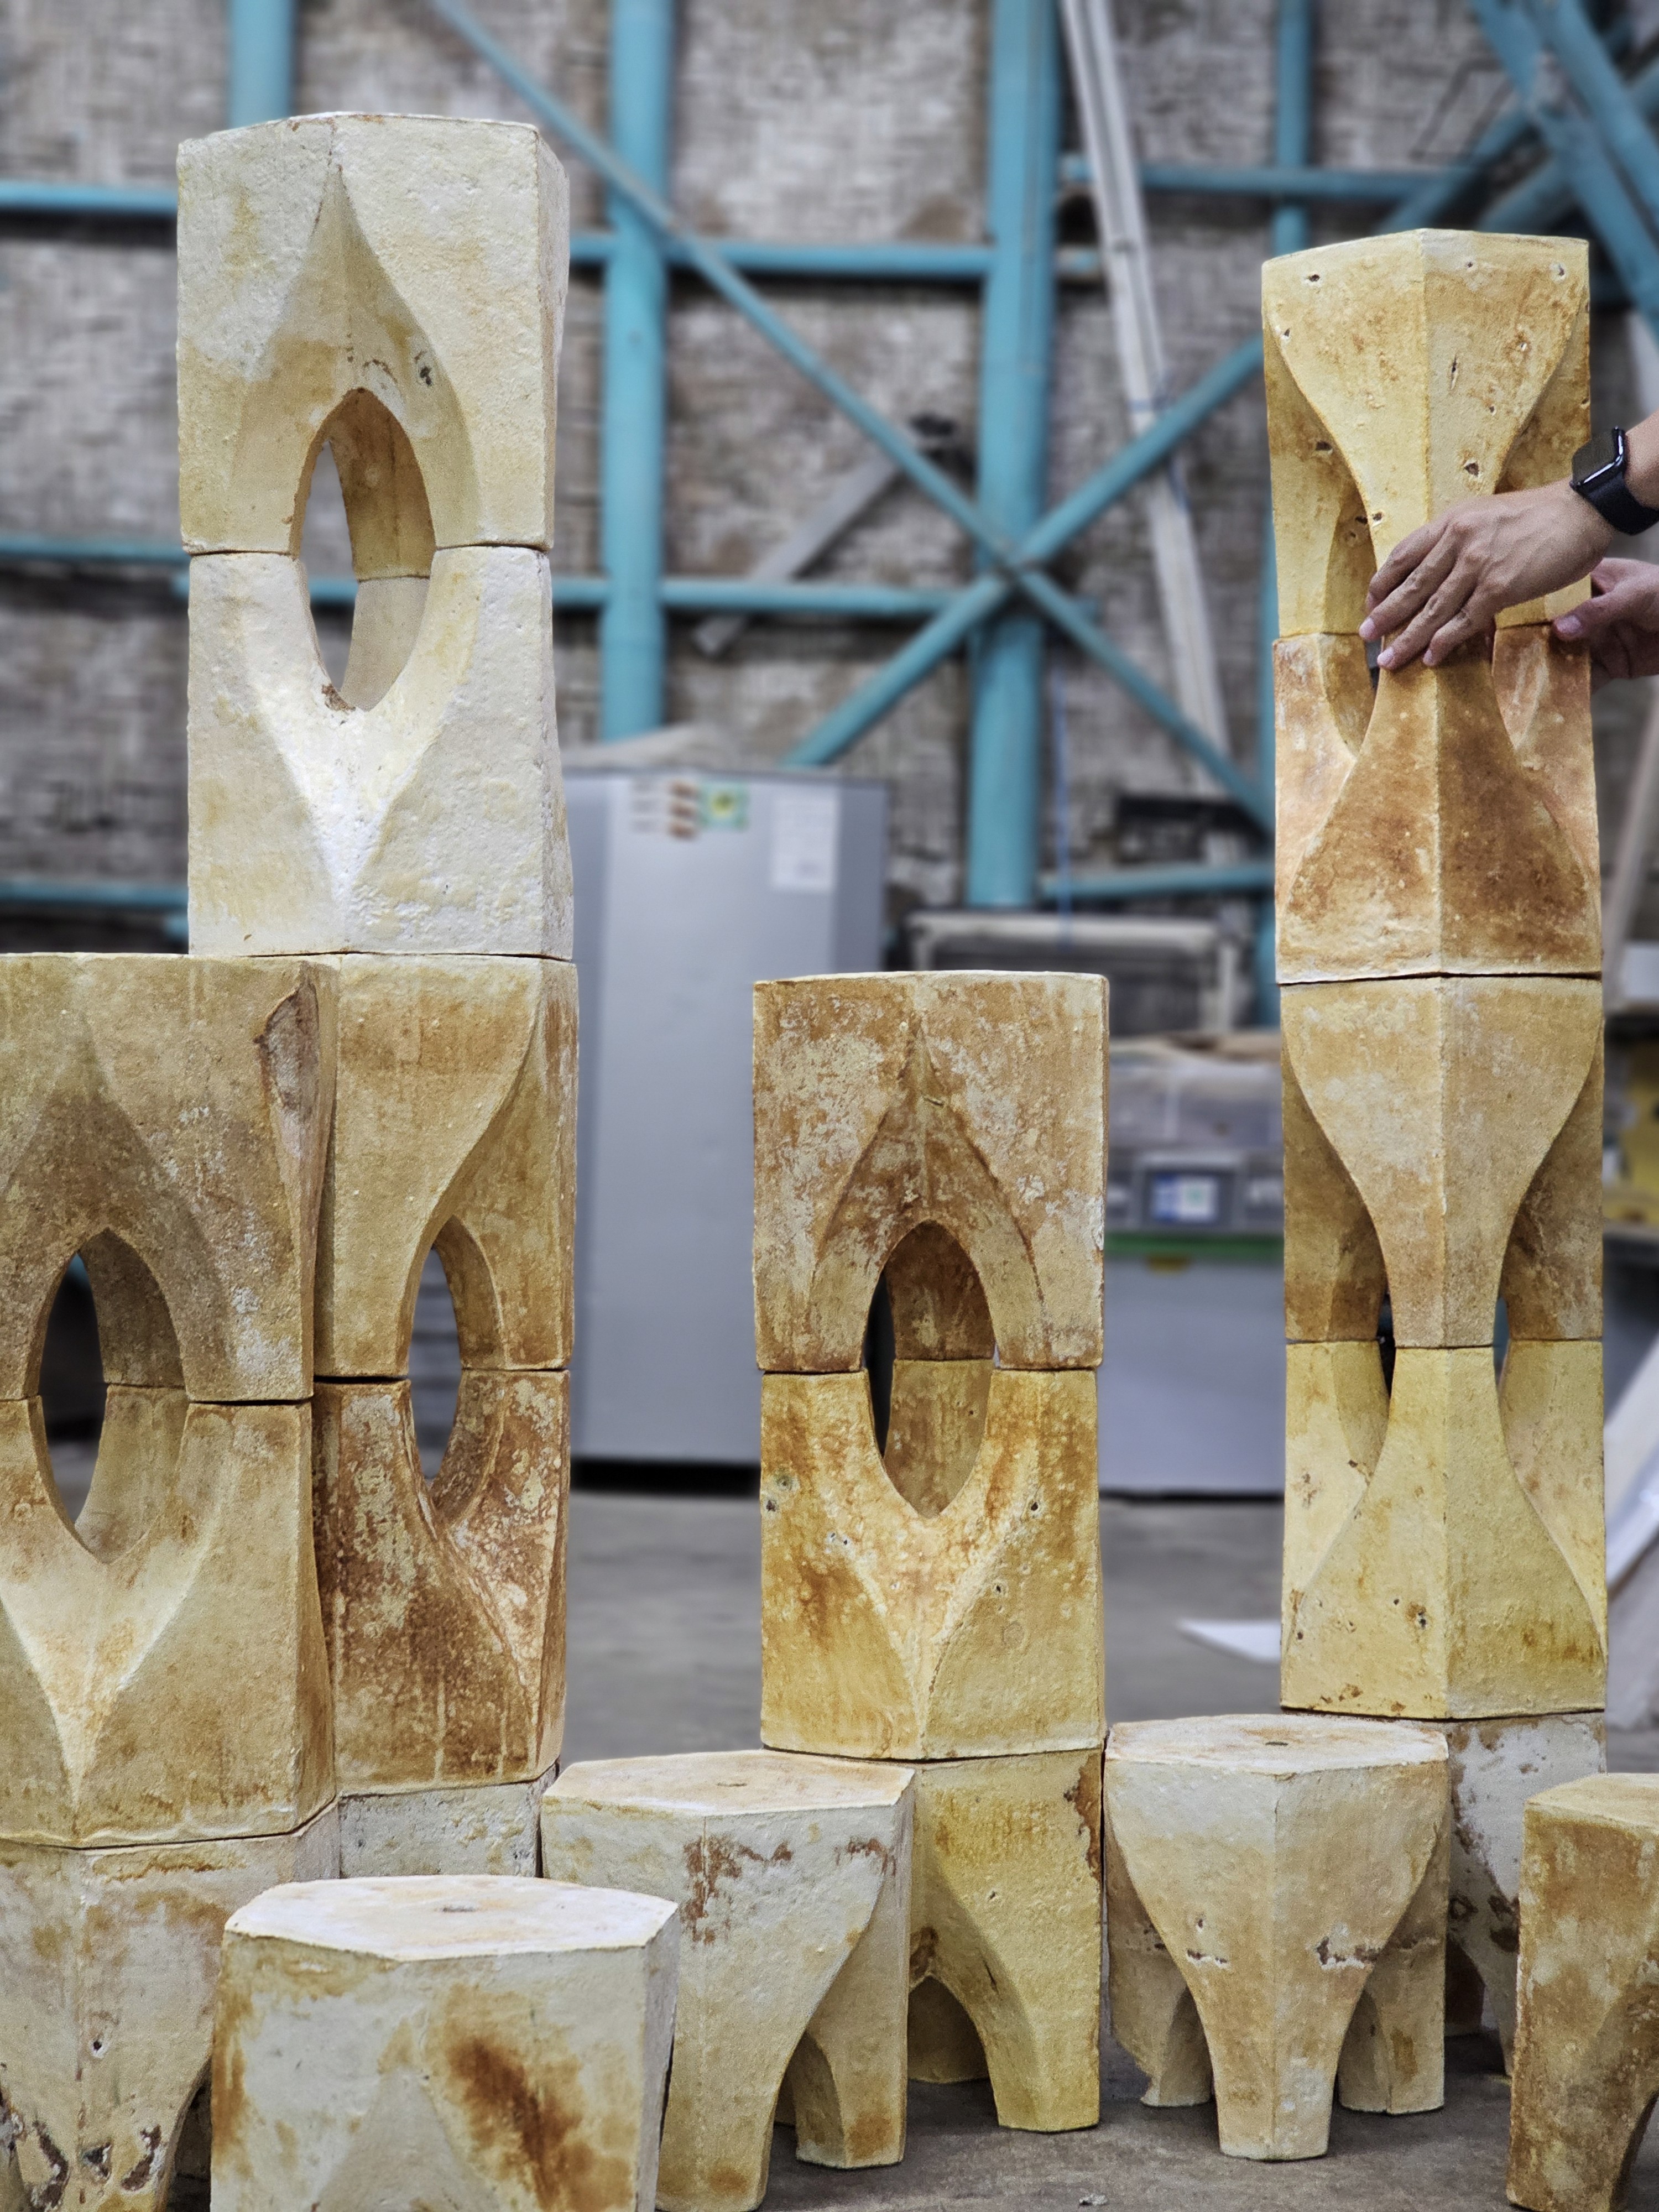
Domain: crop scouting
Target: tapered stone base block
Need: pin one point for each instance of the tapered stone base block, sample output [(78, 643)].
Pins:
[(1276, 1919), (463, 2044), (1587, 2032), (487, 1828), (108, 1964), (1005, 1933), (793, 1879)]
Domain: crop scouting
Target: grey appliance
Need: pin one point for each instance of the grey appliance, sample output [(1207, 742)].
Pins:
[(690, 888)]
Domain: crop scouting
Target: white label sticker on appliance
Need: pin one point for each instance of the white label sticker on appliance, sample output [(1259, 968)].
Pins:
[(804, 834)]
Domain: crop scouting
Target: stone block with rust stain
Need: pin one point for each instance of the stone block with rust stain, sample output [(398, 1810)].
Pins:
[(108, 1964), (889, 1630), (168, 1117), (470, 1827), (414, 263), (421, 810), (793, 1880), (455, 1123), (1443, 1141), (1005, 1933), (1447, 825), (1406, 373), (162, 1669), (1496, 1767), (443, 1601), (1290, 1873), (975, 1104), (1586, 2069), (1444, 1555), (492, 2046)]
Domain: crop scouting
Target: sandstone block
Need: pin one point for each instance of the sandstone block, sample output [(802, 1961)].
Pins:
[(1404, 373), (1495, 1768), (973, 1104), (443, 1601), (1447, 826), (792, 1880), (108, 1965), (162, 1673), (1278, 1907), (169, 1117), (1443, 1139), (1586, 2037), (420, 261), (892, 1632), (430, 821), (458, 2042), (489, 1827), (1005, 1933), (1442, 1545), (454, 1124)]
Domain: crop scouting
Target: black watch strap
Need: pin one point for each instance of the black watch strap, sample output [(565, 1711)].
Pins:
[(1598, 475)]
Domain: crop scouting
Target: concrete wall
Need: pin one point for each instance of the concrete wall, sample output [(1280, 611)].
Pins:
[(794, 118)]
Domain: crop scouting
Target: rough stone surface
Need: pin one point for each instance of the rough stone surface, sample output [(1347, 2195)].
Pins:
[(423, 814), (421, 260), (890, 1633), (974, 1103), (489, 1828), (1274, 1861), (1442, 1549), (474, 2042), (162, 1669), (1005, 1933), (455, 1123), (1495, 1767), (171, 1115), (792, 1880), (443, 1601), (1586, 2053), (1442, 1135), (108, 1965)]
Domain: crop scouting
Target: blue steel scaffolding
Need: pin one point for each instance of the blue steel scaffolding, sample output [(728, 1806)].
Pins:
[(1598, 162)]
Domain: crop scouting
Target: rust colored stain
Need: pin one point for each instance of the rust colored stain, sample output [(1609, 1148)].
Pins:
[(1084, 1798), (138, 2176), (709, 1861), (537, 2126)]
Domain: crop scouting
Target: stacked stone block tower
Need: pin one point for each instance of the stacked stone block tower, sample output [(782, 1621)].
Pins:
[(1439, 951)]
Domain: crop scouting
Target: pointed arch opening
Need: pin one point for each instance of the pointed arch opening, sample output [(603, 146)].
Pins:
[(929, 1351), (363, 505)]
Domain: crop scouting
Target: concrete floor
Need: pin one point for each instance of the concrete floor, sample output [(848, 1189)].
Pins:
[(664, 1656)]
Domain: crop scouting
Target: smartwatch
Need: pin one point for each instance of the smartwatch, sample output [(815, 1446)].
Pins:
[(1598, 475)]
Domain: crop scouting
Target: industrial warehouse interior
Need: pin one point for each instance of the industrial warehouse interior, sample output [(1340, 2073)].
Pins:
[(739, 1006)]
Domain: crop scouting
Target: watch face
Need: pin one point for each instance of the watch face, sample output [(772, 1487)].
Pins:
[(1601, 452)]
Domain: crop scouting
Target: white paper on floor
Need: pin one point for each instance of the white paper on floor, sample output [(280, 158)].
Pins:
[(1242, 1639)]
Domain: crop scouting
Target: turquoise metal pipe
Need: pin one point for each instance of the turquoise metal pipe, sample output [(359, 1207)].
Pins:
[(634, 407), (1281, 180), (1184, 880), (1572, 38), (1542, 199), (259, 36), (1004, 760)]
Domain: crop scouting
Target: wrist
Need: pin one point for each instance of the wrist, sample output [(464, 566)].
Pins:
[(1586, 527)]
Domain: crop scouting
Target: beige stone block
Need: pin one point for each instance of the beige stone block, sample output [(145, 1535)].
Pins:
[(443, 1601), (419, 260), (1446, 842), (792, 1880), (1442, 1547), (1406, 373), (170, 1117), (1587, 2036), (470, 2042), (887, 1633), (108, 1964), (935, 1425), (431, 821), (973, 1104), (1292, 1874), (489, 1827), (175, 1686), (1005, 1933), (454, 1124), (1496, 1767), (1455, 1116)]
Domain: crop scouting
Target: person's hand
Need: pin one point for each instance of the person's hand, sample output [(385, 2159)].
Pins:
[(1620, 622), (1443, 585)]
